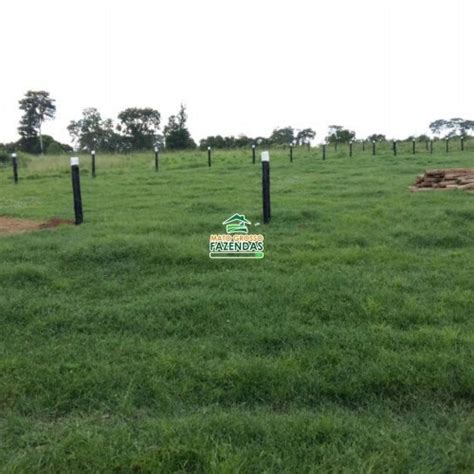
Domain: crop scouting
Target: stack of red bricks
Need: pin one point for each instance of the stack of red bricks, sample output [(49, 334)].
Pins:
[(455, 178)]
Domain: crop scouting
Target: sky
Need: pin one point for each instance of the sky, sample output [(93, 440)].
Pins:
[(243, 67)]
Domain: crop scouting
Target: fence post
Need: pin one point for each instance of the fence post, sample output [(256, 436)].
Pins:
[(414, 146), (209, 156), (431, 147), (76, 190), (394, 146), (350, 149), (157, 158), (291, 153), (462, 143), (93, 163), (447, 145), (253, 154), (324, 152), (373, 147), (267, 214), (15, 168)]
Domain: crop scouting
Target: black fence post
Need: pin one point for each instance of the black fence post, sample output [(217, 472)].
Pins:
[(267, 214), (394, 146), (253, 154), (414, 147), (462, 143), (431, 147), (291, 153), (324, 152), (447, 145), (350, 149), (209, 156), (373, 147), (76, 190), (93, 163), (157, 158), (15, 168)]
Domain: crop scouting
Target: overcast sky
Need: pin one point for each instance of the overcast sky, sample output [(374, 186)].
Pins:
[(246, 66)]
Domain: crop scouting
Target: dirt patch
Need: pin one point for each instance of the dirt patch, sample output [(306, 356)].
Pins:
[(9, 225)]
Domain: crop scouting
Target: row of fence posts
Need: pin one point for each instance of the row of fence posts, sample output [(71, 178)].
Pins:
[(429, 147), (77, 196), (265, 158)]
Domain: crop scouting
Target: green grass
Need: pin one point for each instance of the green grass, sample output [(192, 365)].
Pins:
[(349, 347)]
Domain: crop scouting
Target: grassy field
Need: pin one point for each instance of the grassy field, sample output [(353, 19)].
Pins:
[(349, 347)]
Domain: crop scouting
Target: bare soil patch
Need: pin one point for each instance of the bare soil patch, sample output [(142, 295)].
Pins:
[(10, 225)]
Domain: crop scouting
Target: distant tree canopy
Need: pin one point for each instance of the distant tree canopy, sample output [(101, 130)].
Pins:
[(37, 106), (376, 137), (140, 126), (282, 136), (305, 136), (219, 141), (452, 127), (422, 138), (91, 132), (177, 136), (339, 134)]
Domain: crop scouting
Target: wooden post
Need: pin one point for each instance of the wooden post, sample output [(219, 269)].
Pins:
[(267, 214), (93, 163), (15, 168), (76, 190), (157, 158)]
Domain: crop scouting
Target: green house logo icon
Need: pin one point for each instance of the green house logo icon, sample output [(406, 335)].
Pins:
[(236, 224)]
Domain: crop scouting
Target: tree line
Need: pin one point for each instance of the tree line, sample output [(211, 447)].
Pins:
[(138, 129)]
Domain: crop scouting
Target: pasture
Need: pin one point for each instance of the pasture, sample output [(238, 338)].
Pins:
[(349, 347)]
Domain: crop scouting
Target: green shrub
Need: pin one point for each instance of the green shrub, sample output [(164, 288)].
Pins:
[(55, 148), (4, 157)]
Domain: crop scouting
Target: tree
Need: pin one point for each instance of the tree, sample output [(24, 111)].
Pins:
[(38, 106), (452, 127), (177, 136), (376, 137), (282, 136), (243, 141), (305, 136), (339, 134), (140, 126), (92, 132), (422, 138)]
